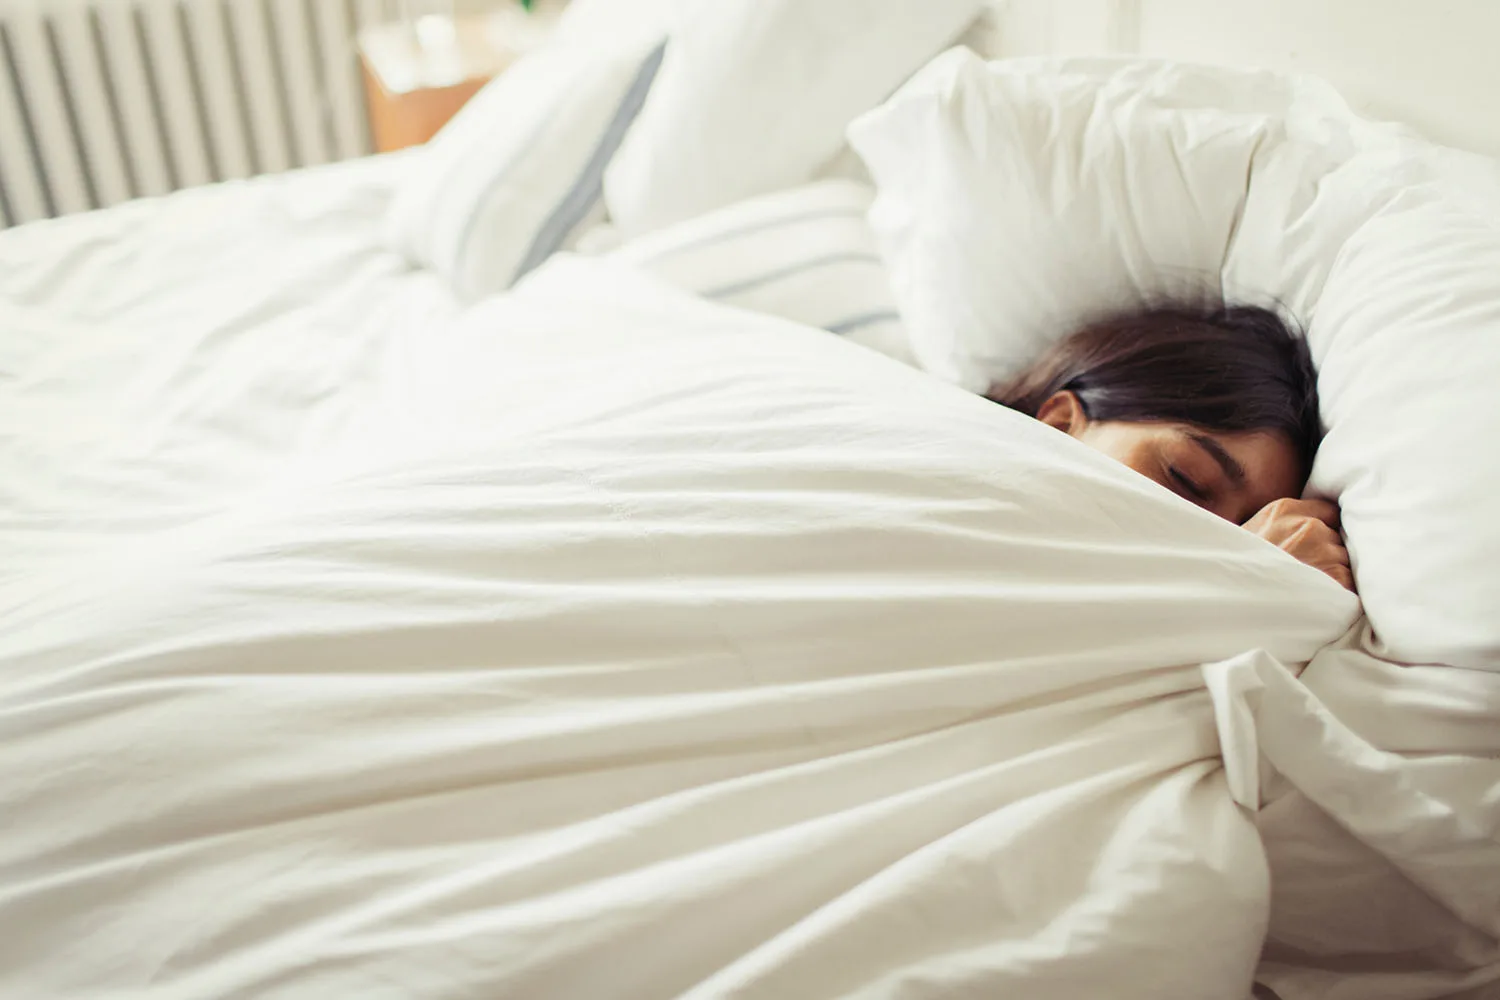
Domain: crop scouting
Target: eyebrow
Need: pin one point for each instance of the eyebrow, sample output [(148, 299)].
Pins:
[(1234, 470)]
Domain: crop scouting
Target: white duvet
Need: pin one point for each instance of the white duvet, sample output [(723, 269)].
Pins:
[(620, 646), (159, 358)]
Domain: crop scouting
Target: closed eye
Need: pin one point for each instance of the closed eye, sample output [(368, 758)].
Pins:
[(1186, 486)]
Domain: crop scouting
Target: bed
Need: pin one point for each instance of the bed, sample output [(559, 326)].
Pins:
[(638, 631)]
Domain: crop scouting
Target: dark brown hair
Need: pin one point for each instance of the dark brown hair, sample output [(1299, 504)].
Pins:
[(1236, 368)]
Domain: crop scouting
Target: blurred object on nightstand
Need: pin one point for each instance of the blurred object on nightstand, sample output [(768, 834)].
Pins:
[(418, 75)]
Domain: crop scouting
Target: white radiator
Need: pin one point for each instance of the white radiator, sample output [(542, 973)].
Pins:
[(105, 100)]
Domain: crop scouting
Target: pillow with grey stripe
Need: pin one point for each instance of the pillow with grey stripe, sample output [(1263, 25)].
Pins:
[(806, 254), (516, 172)]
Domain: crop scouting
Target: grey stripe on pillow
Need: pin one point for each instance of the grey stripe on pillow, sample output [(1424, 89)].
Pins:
[(493, 185), (589, 187), (714, 239), (848, 326), (758, 281)]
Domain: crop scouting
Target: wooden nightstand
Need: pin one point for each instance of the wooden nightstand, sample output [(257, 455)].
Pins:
[(416, 78)]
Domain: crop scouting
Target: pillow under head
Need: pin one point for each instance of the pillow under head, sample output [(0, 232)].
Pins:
[(1014, 204)]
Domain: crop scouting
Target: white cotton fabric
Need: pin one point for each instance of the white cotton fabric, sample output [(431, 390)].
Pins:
[(272, 718), (159, 359), (594, 19), (754, 96), (520, 169), (805, 254), (1380, 814), (1407, 339), (640, 648), (1019, 199), (1381, 817)]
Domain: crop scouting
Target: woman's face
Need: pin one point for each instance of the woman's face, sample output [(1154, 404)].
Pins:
[(1232, 475)]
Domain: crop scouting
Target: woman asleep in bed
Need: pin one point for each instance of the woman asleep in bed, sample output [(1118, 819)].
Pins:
[(1219, 406)]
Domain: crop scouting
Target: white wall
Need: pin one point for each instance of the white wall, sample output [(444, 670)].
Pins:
[(1434, 64)]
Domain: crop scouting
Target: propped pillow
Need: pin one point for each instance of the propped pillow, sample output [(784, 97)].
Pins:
[(1406, 336), (806, 254), (521, 167), (1015, 204), (595, 19), (754, 96), (1017, 199)]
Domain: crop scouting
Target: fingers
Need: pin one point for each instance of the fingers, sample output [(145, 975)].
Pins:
[(1342, 575), (1307, 530), (1308, 536), (1324, 510), (1319, 545), (1316, 532), (1321, 510), (1288, 510)]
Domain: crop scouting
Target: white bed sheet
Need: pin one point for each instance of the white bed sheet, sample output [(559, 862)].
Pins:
[(160, 358)]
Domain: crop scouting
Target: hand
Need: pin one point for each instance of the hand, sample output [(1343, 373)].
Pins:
[(1308, 530)]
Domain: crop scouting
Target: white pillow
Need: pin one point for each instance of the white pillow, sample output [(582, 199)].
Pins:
[(1016, 199), (1011, 208), (593, 19), (520, 168), (1406, 336), (806, 254), (754, 96)]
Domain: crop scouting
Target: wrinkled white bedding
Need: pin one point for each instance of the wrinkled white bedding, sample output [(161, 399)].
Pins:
[(597, 642), (1381, 820), (158, 358)]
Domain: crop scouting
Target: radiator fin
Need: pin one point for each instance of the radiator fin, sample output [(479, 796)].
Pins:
[(346, 102), (177, 94), (42, 90), (94, 108), (135, 99), (25, 194), (228, 128)]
